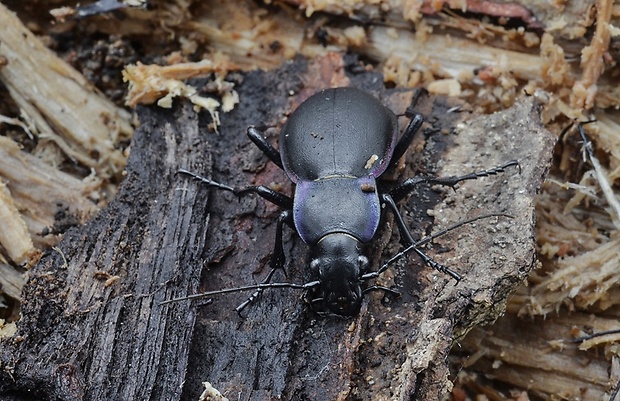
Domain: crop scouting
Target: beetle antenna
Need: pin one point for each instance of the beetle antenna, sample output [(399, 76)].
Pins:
[(426, 240), (305, 286)]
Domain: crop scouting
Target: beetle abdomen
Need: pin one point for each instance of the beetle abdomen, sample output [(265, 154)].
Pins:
[(337, 204), (340, 131)]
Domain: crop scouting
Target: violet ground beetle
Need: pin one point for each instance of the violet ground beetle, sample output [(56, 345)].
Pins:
[(335, 146)]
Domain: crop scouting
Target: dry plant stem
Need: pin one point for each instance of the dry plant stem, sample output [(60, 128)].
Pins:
[(65, 107), (601, 177), (607, 138), (592, 58)]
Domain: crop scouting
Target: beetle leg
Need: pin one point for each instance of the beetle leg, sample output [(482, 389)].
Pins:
[(254, 295), (272, 196), (412, 128), (261, 142), (277, 260), (407, 240), (407, 186), (403, 144)]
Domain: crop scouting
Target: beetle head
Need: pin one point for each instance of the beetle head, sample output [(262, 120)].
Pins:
[(338, 260)]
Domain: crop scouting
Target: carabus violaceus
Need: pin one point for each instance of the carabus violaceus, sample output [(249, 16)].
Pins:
[(335, 147)]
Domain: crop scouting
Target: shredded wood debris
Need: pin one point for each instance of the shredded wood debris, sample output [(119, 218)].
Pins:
[(17, 122), (592, 58), (14, 236), (581, 260), (211, 394), (153, 83), (31, 196), (544, 356), (37, 191), (65, 108), (555, 70), (578, 282), (7, 329)]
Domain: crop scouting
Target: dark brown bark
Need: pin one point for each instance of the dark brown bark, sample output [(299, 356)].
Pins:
[(80, 339)]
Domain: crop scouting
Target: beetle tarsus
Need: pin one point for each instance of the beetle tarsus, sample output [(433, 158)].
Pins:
[(252, 298), (265, 192)]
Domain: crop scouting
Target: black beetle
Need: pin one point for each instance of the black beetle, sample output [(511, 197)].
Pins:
[(335, 146)]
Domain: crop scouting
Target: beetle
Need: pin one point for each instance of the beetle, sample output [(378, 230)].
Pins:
[(335, 147)]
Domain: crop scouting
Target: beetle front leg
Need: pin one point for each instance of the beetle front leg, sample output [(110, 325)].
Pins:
[(409, 184), (277, 259), (272, 196), (407, 240)]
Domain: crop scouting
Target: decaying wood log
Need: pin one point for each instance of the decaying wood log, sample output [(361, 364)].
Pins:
[(92, 326)]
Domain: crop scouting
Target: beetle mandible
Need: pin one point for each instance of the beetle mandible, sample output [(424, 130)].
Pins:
[(335, 147)]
